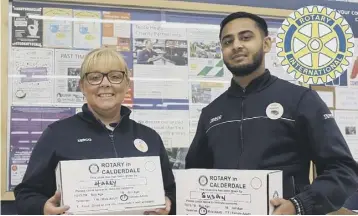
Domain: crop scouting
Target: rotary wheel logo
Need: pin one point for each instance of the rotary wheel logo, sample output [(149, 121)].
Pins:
[(315, 45), (203, 180), (93, 168)]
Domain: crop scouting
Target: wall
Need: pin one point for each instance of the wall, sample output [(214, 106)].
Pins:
[(7, 207)]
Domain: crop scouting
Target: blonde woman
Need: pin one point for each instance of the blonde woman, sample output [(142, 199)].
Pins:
[(104, 81)]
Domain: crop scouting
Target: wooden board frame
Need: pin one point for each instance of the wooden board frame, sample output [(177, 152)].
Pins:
[(4, 31), (145, 4)]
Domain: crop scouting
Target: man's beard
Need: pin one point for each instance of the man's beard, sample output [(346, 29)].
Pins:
[(246, 69)]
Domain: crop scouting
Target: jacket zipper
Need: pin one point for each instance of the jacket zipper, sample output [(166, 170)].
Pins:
[(242, 122), (111, 136)]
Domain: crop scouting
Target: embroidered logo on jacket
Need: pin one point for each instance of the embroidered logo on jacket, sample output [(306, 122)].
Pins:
[(328, 116), (84, 140), (217, 118)]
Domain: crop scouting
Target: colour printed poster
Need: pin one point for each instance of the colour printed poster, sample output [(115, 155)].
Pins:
[(26, 126)]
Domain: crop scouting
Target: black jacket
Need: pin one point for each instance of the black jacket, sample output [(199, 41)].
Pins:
[(234, 132), (60, 142)]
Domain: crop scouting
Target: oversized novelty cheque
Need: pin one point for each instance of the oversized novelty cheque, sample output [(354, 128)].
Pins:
[(227, 192)]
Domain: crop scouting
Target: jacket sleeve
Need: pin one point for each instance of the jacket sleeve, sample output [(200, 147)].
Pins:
[(199, 154), (168, 178), (38, 183), (336, 169)]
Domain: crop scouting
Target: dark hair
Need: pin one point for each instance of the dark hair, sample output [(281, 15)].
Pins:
[(261, 23)]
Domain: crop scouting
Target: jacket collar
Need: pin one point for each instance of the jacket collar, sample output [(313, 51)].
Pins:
[(88, 116), (258, 84)]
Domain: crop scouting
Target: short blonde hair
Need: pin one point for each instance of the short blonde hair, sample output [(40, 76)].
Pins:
[(105, 54)]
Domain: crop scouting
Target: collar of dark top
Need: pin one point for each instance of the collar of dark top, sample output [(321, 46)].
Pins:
[(113, 124), (256, 85), (88, 116)]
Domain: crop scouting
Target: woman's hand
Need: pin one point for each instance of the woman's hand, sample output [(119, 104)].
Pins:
[(162, 211), (52, 205)]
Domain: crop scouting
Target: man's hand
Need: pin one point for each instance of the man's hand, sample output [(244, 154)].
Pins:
[(283, 207), (52, 205), (163, 211)]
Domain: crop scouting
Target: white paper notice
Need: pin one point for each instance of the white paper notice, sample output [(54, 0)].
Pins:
[(57, 27), (205, 58), (206, 92), (346, 98), (87, 29), (200, 95), (160, 89), (348, 124), (32, 75), (273, 34), (327, 97), (68, 64), (172, 125), (194, 115), (116, 30), (160, 61), (273, 64), (17, 173)]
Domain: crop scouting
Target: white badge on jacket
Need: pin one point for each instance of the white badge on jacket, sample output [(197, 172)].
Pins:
[(141, 145), (274, 111)]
